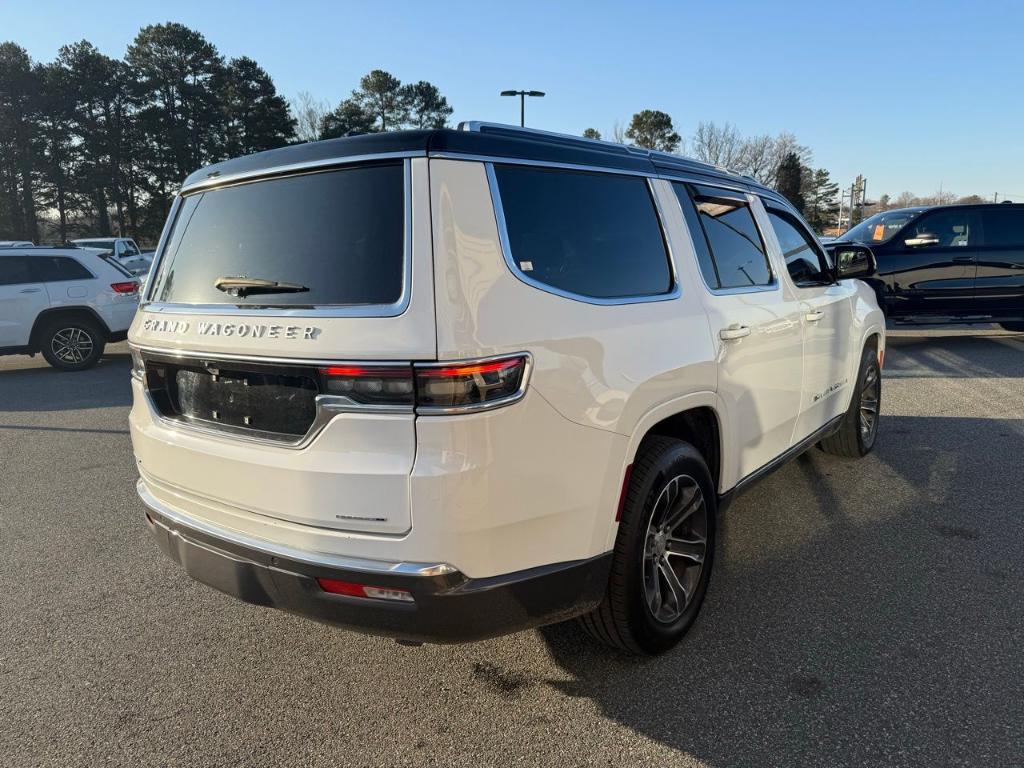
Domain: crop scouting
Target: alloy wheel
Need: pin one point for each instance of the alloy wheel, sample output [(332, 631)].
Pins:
[(870, 394), (71, 345), (674, 548)]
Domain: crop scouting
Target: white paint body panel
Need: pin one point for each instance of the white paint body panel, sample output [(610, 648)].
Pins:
[(536, 482), (21, 304)]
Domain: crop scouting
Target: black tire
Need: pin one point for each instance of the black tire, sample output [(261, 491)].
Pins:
[(72, 344), (1013, 326), (626, 618), (859, 427)]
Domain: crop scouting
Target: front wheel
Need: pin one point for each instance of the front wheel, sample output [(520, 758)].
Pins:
[(859, 427), (663, 551)]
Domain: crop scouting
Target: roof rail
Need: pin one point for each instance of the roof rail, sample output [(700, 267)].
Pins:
[(669, 158)]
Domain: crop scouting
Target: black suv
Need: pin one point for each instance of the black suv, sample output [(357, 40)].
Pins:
[(958, 263)]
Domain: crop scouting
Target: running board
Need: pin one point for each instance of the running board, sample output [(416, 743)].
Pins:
[(759, 474)]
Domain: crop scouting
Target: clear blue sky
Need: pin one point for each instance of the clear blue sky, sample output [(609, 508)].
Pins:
[(911, 94)]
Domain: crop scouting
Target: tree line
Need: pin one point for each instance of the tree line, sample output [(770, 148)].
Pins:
[(93, 145), (778, 161)]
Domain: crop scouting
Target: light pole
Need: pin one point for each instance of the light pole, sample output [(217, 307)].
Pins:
[(522, 102)]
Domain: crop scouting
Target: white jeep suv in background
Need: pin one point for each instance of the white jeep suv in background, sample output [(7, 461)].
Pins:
[(64, 302), (443, 385)]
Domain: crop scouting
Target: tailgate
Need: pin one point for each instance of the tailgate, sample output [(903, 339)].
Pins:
[(237, 407)]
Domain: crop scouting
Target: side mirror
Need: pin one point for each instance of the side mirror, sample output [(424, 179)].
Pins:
[(852, 261), (925, 238)]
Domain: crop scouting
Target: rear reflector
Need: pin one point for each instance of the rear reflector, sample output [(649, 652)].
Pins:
[(126, 287), (625, 490), (351, 589)]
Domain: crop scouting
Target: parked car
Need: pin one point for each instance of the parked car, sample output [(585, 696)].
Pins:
[(67, 303), (443, 385), (950, 263), (123, 249), (16, 243)]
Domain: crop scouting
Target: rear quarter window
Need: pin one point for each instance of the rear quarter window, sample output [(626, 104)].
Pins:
[(592, 235), (339, 233), (1004, 226), (54, 269)]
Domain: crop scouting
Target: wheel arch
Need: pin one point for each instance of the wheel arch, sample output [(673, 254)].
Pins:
[(68, 313), (696, 418)]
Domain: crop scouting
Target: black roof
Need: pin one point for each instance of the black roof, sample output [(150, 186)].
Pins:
[(481, 139)]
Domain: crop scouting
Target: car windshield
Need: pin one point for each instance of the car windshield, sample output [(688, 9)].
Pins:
[(880, 227)]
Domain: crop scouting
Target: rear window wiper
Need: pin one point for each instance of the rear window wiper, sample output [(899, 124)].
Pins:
[(243, 286)]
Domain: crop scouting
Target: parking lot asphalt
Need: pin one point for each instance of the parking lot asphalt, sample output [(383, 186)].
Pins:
[(861, 613)]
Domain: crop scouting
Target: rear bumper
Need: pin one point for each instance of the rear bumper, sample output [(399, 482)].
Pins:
[(447, 606)]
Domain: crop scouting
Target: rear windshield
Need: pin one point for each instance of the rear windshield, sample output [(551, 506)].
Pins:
[(339, 234)]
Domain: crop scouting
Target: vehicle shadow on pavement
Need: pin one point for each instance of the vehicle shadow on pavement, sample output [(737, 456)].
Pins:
[(42, 388), (861, 612), (993, 355)]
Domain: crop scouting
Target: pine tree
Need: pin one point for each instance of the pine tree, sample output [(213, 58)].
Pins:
[(788, 180), (652, 129)]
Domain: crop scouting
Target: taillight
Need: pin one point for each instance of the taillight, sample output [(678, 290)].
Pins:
[(138, 364), (432, 388), (448, 387), (127, 287), (371, 384)]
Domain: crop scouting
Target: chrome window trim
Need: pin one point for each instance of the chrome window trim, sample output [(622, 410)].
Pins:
[(506, 250), (502, 160), (291, 169), (774, 285), (363, 565), (161, 246), (322, 310)]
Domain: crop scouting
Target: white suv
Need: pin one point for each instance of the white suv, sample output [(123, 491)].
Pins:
[(442, 385), (64, 302)]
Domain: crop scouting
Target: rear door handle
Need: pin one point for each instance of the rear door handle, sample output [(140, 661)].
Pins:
[(734, 331), (30, 290), (815, 316), (963, 259)]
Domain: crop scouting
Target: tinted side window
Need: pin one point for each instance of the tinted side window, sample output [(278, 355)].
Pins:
[(52, 269), (805, 259), (700, 242), (592, 234), (14, 270), (739, 255), (950, 229), (1004, 226)]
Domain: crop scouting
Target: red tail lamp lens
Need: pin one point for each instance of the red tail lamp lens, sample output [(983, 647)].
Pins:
[(458, 386), (429, 387), (127, 287), (370, 385), (351, 589)]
